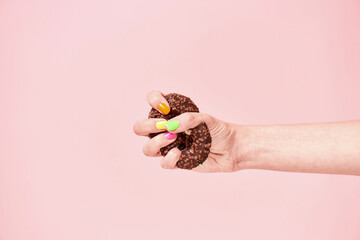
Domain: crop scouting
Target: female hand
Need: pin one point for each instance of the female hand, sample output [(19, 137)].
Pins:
[(222, 157)]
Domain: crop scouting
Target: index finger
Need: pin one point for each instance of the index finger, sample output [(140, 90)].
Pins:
[(189, 120), (157, 100)]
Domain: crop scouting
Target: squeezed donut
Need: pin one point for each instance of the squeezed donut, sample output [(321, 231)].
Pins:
[(194, 143)]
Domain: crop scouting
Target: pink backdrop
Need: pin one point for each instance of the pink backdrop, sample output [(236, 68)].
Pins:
[(74, 77)]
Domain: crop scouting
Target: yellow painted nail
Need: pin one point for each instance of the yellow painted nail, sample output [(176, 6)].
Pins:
[(164, 108), (161, 124)]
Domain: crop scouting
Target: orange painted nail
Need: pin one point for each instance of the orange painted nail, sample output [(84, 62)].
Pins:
[(164, 108)]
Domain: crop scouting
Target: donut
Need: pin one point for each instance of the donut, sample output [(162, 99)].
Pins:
[(194, 143)]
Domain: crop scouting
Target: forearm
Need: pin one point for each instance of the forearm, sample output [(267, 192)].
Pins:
[(319, 148)]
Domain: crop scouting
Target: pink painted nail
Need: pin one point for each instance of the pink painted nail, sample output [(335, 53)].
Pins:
[(170, 136)]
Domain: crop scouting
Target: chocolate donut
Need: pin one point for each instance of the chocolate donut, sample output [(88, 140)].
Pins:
[(194, 143)]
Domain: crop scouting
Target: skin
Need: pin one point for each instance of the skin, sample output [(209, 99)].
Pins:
[(331, 148)]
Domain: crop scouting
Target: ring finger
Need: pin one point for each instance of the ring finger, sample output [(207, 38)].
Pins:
[(152, 147)]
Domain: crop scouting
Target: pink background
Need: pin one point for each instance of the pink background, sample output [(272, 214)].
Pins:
[(73, 80)]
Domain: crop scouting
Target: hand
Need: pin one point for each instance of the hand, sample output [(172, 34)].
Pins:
[(222, 157)]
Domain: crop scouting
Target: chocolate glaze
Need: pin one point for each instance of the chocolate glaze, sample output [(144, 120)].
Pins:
[(197, 144)]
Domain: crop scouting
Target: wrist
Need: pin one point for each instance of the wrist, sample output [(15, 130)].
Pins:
[(244, 148)]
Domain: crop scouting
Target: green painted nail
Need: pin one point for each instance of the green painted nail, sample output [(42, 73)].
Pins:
[(172, 125), (199, 164)]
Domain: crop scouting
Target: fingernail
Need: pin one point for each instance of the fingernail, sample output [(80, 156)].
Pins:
[(170, 136), (161, 124), (172, 125), (164, 108)]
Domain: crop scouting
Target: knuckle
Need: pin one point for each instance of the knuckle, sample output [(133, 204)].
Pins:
[(164, 164), (206, 115), (136, 128), (146, 151), (189, 117), (173, 153), (151, 148), (169, 161), (151, 93), (209, 118), (152, 96)]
